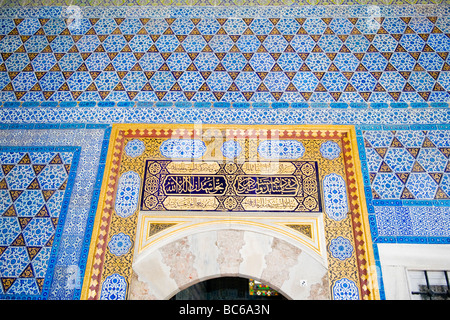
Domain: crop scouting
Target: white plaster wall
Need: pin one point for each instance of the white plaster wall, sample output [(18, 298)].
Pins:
[(164, 271), (397, 259)]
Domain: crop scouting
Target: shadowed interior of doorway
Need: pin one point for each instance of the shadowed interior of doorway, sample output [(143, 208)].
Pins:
[(226, 288)]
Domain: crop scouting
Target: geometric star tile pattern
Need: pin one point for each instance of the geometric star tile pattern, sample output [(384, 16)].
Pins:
[(408, 164), (214, 2), (32, 189), (222, 59)]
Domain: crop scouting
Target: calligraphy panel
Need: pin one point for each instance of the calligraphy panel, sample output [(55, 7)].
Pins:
[(178, 185)]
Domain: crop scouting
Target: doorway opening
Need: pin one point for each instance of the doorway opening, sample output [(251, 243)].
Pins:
[(228, 288)]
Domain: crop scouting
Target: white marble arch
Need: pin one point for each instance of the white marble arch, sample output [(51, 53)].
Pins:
[(184, 259)]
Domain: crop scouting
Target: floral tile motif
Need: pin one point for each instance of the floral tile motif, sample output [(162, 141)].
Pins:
[(406, 178), (33, 186), (245, 58), (114, 3), (408, 164), (45, 237)]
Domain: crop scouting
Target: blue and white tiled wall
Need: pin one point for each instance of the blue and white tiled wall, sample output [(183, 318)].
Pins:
[(63, 88), (407, 181)]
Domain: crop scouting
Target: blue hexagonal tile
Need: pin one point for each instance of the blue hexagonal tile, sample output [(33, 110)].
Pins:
[(318, 61), (206, 61), (124, 61), (440, 42), (79, 81), (341, 26), (384, 43), (289, 61), (262, 62), (330, 43), (17, 62), (334, 81), (421, 185), (288, 26), (379, 139), (219, 81), (393, 25), (440, 138), (373, 160), (399, 160), (412, 42), (234, 61), (314, 26), (392, 81), (182, 26), (234, 26), (302, 43), (261, 26), (421, 24), (88, 43), (43, 62), (134, 81), (29, 203), (10, 43), (114, 43), (221, 43), (387, 185), (208, 26), (402, 61), (97, 61), (70, 61), (421, 81), (162, 81), (305, 81), (363, 81), (35, 44), (54, 26), (248, 43), (13, 261), (194, 43), (410, 138), (51, 81), (357, 43), (28, 27), (430, 61), (6, 26), (62, 44), (130, 26), (346, 62), (105, 26), (247, 81), (178, 61), (190, 81), (374, 61), (106, 81), (167, 43), (9, 230), (151, 61), (275, 43), (276, 81), (140, 43), (432, 160), (38, 232), (444, 80), (24, 81)]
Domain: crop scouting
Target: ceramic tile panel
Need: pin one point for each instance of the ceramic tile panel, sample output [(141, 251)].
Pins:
[(49, 192), (406, 176), (262, 54), (113, 3), (35, 186)]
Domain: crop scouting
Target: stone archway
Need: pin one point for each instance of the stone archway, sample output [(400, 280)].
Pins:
[(160, 273)]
